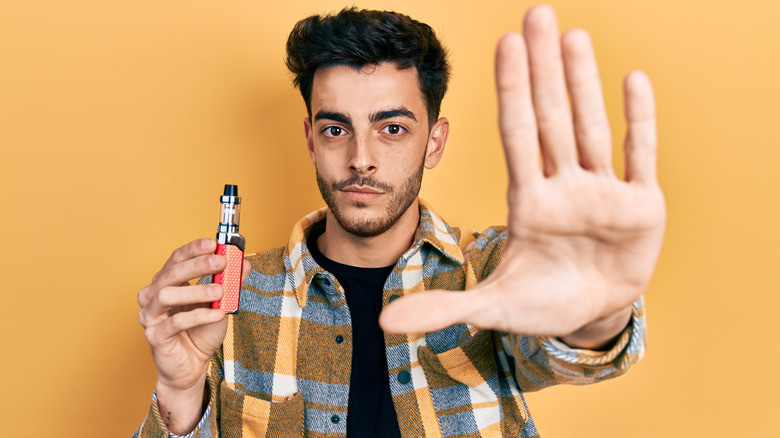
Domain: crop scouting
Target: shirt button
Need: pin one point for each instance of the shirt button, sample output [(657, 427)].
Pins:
[(339, 339), (334, 419), (393, 298), (404, 377)]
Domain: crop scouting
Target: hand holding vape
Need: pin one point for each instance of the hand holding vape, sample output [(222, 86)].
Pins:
[(231, 245)]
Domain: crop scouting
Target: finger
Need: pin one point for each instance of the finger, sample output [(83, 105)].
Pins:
[(641, 138), (176, 296), (425, 312), (591, 127), (144, 295), (170, 297), (246, 268), (549, 90), (193, 249), (189, 269), (173, 273), (157, 334), (516, 119)]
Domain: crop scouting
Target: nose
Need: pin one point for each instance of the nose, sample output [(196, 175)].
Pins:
[(362, 159)]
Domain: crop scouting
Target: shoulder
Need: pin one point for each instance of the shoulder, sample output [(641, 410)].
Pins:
[(461, 243), (269, 269), (483, 250), (471, 241), (266, 284), (268, 260)]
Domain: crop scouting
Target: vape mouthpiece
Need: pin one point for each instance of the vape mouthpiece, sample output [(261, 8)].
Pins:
[(231, 190)]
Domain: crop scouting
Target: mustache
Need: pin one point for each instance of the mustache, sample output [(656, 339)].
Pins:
[(363, 181)]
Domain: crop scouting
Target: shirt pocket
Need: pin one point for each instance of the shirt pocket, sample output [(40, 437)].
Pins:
[(248, 417)]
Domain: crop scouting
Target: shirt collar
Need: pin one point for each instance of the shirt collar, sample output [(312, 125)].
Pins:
[(436, 232), (432, 230)]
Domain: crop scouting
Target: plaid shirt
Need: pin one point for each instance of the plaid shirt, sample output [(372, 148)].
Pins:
[(284, 367)]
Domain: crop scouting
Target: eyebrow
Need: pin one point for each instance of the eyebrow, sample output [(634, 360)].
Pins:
[(389, 114), (336, 117), (373, 118)]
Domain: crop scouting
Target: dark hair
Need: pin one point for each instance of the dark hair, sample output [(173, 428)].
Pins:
[(362, 37)]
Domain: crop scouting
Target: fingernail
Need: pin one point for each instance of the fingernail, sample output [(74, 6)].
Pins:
[(213, 290), (213, 261)]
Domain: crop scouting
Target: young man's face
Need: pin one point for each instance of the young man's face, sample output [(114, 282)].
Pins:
[(369, 141)]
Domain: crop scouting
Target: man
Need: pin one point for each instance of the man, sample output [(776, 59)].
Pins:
[(555, 297)]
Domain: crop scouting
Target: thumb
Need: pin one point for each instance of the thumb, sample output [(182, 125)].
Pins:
[(246, 268), (426, 312)]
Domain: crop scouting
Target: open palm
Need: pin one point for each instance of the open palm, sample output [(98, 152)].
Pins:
[(582, 244)]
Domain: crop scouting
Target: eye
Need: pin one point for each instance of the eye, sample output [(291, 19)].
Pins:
[(394, 129), (333, 131)]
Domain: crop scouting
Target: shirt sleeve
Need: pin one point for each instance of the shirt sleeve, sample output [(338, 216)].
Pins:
[(153, 425), (542, 361)]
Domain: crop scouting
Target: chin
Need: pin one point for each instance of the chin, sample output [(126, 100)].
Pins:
[(363, 224)]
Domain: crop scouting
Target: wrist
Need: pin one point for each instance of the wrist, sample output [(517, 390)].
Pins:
[(182, 408), (601, 334)]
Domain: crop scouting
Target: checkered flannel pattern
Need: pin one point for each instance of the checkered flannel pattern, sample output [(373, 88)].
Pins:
[(281, 372)]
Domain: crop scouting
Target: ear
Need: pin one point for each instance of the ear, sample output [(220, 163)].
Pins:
[(436, 142), (308, 132)]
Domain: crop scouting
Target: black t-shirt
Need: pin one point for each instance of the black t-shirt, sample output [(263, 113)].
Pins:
[(370, 412)]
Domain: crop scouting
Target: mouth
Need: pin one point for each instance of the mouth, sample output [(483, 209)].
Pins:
[(361, 189), (361, 193)]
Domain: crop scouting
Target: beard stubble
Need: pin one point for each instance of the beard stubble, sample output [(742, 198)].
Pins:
[(401, 198)]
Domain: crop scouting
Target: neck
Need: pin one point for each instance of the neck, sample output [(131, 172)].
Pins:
[(370, 252)]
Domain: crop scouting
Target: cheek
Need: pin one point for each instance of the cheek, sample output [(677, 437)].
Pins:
[(327, 165), (406, 156), (406, 161)]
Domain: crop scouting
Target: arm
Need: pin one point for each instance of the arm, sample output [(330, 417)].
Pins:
[(544, 361), (581, 244), (183, 333)]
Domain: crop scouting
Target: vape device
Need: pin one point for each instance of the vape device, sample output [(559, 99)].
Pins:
[(231, 245)]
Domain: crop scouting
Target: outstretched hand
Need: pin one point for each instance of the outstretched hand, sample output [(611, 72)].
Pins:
[(582, 244)]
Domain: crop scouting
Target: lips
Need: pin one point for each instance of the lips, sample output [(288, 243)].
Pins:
[(361, 193), (361, 189)]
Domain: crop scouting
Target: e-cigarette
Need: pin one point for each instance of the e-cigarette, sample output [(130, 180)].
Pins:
[(231, 245)]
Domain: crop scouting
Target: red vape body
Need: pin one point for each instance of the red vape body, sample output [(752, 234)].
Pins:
[(231, 245)]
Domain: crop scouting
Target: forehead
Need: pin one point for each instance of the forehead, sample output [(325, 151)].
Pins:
[(352, 91)]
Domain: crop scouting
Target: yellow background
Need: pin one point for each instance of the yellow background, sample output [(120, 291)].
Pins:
[(121, 121)]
